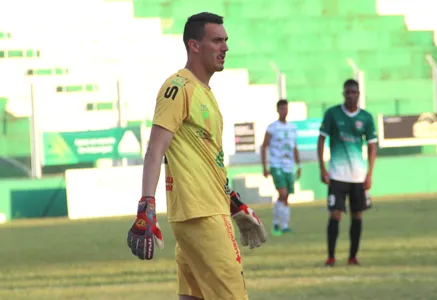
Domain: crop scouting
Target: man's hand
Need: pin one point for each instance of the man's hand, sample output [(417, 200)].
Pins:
[(252, 230), (368, 182), (145, 231), (266, 173), (324, 176), (299, 172)]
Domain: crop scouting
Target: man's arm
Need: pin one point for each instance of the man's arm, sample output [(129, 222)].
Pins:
[(297, 161), (371, 154), (372, 139), (170, 112), (145, 232), (324, 175), (325, 130), (266, 143), (296, 152), (296, 156), (320, 152), (159, 142)]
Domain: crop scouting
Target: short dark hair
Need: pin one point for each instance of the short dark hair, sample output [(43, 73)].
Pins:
[(351, 82), (195, 26), (281, 102)]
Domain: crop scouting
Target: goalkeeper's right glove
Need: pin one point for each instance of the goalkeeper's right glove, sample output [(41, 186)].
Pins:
[(145, 231)]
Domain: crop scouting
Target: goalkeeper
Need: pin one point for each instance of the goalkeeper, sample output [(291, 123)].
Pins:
[(187, 133)]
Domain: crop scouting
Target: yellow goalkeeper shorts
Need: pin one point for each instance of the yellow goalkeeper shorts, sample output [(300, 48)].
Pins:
[(208, 259)]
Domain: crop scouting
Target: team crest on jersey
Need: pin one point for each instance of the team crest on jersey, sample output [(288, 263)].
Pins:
[(358, 124), (204, 110)]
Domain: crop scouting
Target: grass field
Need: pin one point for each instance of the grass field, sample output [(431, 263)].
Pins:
[(62, 259)]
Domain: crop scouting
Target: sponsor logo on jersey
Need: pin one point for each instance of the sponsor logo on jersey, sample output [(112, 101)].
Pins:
[(179, 81), (219, 160), (232, 237), (203, 134), (169, 183)]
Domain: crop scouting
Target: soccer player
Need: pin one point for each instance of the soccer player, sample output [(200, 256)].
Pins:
[(187, 133), (280, 138), (349, 176)]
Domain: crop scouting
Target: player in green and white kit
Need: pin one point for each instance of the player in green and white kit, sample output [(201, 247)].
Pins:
[(280, 138), (349, 175)]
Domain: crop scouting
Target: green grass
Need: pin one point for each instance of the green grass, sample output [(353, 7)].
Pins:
[(62, 259)]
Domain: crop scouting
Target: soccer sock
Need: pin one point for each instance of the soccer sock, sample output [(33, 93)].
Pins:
[(355, 235), (285, 216), (332, 236), (276, 212)]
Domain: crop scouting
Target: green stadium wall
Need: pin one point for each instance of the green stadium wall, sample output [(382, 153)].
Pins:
[(27, 198), (411, 175), (394, 176)]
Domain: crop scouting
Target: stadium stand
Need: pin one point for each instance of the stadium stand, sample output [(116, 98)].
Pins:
[(81, 58)]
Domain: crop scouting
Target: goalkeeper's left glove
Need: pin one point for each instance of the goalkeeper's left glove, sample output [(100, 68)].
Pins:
[(252, 230)]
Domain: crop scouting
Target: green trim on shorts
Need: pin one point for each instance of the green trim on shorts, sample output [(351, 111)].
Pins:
[(283, 179)]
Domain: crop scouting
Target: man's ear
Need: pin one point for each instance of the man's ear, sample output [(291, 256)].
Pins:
[(194, 46)]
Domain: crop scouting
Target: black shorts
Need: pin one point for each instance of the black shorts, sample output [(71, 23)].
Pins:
[(339, 190)]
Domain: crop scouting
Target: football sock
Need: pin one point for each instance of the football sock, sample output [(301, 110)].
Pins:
[(332, 236), (355, 235), (276, 212), (285, 216)]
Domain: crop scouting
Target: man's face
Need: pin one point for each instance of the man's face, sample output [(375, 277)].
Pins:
[(283, 111), (213, 47), (351, 94)]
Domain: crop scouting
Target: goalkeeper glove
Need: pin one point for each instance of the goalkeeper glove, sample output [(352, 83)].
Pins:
[(252, 230), (145, 231)]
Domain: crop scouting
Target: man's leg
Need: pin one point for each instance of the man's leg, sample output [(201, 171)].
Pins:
[(336, 205), (287, 208), (358, 204), (355, 237), (188, 288), (276, 215), (209, 248), (332, 235), (278, 208)]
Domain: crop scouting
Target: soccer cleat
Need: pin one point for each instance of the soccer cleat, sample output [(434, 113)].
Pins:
[(353, 261), (330, 262), (287, 230), (276, 231)]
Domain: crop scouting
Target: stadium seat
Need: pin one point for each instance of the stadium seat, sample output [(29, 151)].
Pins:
[(89, 50), (418, 14)]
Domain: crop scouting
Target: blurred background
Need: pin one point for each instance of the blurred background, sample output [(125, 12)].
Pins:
[(78, 85), (79, 81)]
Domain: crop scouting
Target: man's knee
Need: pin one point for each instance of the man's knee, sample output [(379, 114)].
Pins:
[(336, 215), (358, 215), (185, 297), (283, 194)]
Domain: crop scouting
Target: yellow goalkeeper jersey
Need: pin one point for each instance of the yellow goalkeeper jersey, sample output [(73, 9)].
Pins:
[(194, 170)]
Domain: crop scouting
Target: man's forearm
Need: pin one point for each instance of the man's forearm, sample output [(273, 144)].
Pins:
[(371, 154), (151, 172), (263, 157), (320, 150), (296, 156)]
